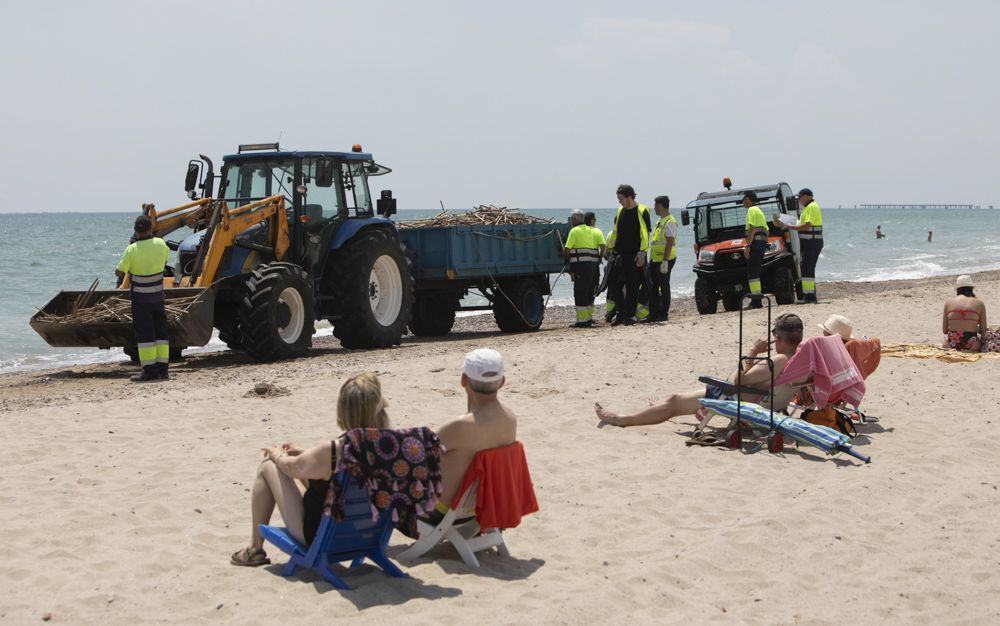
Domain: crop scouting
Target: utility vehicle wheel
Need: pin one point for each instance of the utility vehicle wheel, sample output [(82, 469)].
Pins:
[(528, 308), (433, 315), (133, 353), (373, 289), (276, 314), (784, 286), (731, 301), (704, 297)]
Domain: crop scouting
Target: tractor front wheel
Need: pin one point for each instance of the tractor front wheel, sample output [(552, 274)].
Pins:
[(276, 314), (784, 285)]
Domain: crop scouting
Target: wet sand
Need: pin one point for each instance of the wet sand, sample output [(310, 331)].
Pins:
[(122, 502)]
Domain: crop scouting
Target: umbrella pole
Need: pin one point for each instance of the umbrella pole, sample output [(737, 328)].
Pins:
[(851, 451)]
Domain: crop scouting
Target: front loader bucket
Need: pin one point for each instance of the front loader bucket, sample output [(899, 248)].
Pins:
[(103, 319)]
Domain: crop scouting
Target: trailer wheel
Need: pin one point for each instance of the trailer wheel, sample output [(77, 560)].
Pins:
[(704, 297), (731, 301), (433, 314), (276, 316), (784, 285), (528, 308), (373, 291)]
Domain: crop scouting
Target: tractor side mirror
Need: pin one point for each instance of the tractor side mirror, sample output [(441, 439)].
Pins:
[(192, 178), (386, 203), (324, 173), (685, 217), (791, 206)]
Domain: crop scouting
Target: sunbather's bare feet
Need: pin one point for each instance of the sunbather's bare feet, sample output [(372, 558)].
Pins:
[(607, 416)]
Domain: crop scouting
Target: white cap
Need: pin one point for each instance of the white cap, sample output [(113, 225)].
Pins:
[(965, 281), (483, 365), (838, 325)]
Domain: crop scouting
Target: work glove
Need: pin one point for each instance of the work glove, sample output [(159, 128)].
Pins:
[(640, 258), (664, 268)]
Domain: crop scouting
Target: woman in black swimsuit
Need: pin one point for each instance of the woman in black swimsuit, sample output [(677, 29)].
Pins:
[(300, 501)]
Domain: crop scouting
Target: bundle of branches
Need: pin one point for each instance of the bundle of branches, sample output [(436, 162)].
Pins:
[(482, 214), (113, 309)]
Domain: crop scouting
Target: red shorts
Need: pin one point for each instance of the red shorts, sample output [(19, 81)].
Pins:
[(962, 340)]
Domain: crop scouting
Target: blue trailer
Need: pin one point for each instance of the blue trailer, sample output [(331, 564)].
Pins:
[(508, 265)]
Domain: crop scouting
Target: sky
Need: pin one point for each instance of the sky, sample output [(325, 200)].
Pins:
[(520, 104)]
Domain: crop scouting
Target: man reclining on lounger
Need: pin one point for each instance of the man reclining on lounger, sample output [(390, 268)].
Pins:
[(486, 424), (787, 333)]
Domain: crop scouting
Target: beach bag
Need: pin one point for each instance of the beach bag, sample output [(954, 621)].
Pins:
[(831, 418)]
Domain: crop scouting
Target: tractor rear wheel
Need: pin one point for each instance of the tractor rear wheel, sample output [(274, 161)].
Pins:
[(276, 314), (433, 314), (704, 297), (525, 310), (784, 285), (373, 289)]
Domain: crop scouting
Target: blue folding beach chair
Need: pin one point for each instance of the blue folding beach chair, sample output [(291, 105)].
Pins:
[(354, 538)]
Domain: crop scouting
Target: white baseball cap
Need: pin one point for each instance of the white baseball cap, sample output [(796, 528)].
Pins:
[(838, 325), (965, 281), (483, 365)]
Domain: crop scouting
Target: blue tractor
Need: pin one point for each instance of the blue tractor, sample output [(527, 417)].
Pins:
[(288, 239)]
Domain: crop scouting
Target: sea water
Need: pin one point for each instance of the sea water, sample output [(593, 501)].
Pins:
[(43, 253)]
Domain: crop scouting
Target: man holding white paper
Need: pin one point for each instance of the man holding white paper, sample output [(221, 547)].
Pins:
[(810, 228)]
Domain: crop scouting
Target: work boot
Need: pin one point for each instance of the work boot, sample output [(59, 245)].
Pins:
[(755, 303), (148, 373), (617, 319), (164, 371), (609, 317), (652, 319), (809, 298), (629, 321)]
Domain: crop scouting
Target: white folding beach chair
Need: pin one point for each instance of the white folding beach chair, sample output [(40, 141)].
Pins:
[(459, 528)]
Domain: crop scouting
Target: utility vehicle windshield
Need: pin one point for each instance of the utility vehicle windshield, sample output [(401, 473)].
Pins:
[(724, 217)]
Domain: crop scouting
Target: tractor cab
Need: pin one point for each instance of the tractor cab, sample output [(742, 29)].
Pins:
[(719, 220), (321, 189)]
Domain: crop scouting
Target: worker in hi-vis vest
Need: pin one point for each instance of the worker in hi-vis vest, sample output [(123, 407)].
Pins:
[(662, 256), (583, 251), (810, 229), (631, 235), (143, 261), (756, 245)]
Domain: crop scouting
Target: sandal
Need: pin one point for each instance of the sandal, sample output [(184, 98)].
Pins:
[(704, 439), (250, 557)]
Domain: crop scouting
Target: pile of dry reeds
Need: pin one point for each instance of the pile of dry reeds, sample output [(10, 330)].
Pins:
[(483, 214), (113, 309)]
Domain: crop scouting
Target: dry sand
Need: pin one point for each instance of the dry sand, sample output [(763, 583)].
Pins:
[(122, 503)]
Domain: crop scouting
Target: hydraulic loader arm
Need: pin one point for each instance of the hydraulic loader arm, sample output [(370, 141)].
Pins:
[(233, 222)]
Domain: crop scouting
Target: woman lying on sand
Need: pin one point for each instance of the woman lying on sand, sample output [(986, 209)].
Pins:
[(301, 501), (787, 333)]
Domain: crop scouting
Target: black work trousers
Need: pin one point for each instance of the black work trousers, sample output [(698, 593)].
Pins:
[(584, 282), (659, 289), (149, 322), (634, 277), (810, 255), (754, 263)]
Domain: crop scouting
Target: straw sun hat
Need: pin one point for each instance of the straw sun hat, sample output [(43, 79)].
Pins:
[(838, 325)]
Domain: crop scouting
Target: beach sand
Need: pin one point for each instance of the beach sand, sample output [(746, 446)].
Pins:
[(121, 503)]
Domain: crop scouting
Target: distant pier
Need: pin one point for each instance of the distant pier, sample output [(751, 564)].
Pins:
[(919, 206)]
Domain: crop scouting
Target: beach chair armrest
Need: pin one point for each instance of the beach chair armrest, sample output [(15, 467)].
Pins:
[(729, 388)]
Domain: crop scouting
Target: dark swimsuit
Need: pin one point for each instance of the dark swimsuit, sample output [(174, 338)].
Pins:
[(314, 500)]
